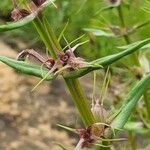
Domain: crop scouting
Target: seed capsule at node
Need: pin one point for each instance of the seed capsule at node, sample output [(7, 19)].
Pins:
[(99, 112)]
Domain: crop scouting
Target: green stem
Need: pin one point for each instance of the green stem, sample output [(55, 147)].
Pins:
[(80, 101), (51, 34), (136, 62), (131, 140), (43, 35), (120, 13), (47, 35), (126, 37), (142, 25), (147, 103), (135, 57)]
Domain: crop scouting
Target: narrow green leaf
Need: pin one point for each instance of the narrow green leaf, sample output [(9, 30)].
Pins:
[(136, 127), (99, 32), (26, 68), (94, 65), (104, 9), (147, 46), (132, 98), (67, 128), (63, 31), (108, 60), (51, 34), (18, 24)]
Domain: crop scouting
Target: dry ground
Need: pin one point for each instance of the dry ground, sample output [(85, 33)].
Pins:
[(28, 119)]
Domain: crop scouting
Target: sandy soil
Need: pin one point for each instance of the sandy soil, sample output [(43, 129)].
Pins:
[(28, 119)]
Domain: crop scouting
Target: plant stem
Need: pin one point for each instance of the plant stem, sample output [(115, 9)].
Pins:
[(136, 62), (80, 101), (40, 29), (135, 57), (142, 25), (131, 140), (120, 13), (51, 34), (49, 38), (147, 103), (126, 37)]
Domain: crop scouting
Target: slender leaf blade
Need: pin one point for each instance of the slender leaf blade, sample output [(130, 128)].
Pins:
[(17, 24), (99, 32), (136, 127), (132, 99), (147, 46), (26, 68), (108, 60), (97, 64)]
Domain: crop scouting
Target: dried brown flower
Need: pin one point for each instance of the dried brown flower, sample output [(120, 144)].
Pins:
[(18, 14), (48, 63), (38, 2), (90, 136)]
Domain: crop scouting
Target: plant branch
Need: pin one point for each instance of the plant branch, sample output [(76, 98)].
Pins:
[(49, 38), (80, 101), (126, 37)]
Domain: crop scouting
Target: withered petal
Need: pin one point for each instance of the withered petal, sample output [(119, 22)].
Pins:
[(38, 2)]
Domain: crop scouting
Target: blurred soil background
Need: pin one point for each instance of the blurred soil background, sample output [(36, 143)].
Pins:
[(28, 119)]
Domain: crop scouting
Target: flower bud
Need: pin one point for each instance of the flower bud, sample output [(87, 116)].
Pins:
[(99, 112)]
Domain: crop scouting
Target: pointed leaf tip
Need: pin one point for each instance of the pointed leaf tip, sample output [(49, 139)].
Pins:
[(26, 68)]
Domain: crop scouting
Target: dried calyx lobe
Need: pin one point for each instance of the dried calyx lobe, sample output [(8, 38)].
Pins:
[(91, 135), (86, 135), (48, 63), (18, 14), (65, 61), (64, 57), (38, 2)]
